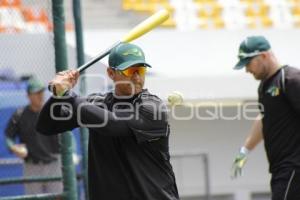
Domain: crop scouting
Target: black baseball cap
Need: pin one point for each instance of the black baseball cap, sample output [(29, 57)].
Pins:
[(126, 55), (251, 47)]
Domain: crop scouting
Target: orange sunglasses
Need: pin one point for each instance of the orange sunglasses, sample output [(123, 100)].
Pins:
[(132, 70)]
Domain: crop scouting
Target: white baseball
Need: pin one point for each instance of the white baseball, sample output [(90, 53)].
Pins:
[(175, 98)]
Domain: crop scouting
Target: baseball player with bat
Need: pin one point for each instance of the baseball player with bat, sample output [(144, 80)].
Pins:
[(129, 131)]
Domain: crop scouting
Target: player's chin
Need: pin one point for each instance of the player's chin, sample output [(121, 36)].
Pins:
[(138, 88), (257, 77)]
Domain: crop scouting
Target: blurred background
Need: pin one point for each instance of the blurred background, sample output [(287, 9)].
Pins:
[(193, 52)]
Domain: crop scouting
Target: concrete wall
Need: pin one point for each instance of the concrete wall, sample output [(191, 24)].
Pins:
[(220, 139)]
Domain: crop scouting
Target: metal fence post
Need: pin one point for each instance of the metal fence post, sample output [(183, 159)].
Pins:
[(68, 169), (80, 61)]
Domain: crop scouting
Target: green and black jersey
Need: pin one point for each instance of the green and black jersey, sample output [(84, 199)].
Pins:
[(279, 97), (128, 144)]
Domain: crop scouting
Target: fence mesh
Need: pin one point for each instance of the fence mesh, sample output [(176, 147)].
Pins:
[(26, 56)]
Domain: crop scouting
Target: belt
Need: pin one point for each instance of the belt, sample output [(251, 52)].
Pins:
[(36, 161)]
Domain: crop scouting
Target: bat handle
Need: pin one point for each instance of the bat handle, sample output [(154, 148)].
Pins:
[(51, 88), (97, 58), (83, 67)]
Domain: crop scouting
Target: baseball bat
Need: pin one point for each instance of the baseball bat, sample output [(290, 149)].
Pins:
[(139, 30)]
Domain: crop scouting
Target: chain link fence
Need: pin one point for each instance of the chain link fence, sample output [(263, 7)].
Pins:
[(27, 54)]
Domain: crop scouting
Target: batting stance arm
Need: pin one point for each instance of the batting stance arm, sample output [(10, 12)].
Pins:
[(145, 123), (70, 111), (56, 117), (57, 114), (146, 120)]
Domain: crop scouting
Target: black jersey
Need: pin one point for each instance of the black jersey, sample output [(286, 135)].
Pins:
[(22, 125), (128, 144), (280, 99)]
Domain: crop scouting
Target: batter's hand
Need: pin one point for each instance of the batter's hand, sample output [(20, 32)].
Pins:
[(19, 150), (64, 81)]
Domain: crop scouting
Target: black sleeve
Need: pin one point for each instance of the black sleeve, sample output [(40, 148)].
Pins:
[(12, 128), (292, 88), (57, 116), (151, 120), (99, 119), (147, 120), (75, 111)]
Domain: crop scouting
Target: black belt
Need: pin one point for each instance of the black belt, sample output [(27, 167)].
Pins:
[(36, 161)]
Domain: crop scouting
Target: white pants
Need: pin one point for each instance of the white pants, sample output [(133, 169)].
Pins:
[(51, 169)]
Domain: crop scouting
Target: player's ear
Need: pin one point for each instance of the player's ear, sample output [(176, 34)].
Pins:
[(110, 73), (265, 55)]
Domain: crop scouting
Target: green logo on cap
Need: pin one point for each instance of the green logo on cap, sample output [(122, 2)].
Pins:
[(126, 55), (241, 53), (134, 52), (273, 91)]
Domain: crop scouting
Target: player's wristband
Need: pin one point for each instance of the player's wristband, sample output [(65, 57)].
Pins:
[(60, 94), (244, 150), (9, 142)]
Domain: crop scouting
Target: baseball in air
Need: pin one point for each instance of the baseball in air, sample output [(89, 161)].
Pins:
[(175, 98)]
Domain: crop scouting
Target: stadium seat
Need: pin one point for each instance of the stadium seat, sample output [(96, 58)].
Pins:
[(11, 20), (219, 22), (251, 22), (164, 5), (222, 13), (157, 1), (35, 15), (146, 6), (205, 1), (10, 3), (297, 22), (212, 23), (267, 22), (256, 9), (210, 14), (252, 1), (209, 10), (294, 1), (37, 20), (129, 4), (10, 30), (295, 9), (143, 7), (295, 12), (259, 22)]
